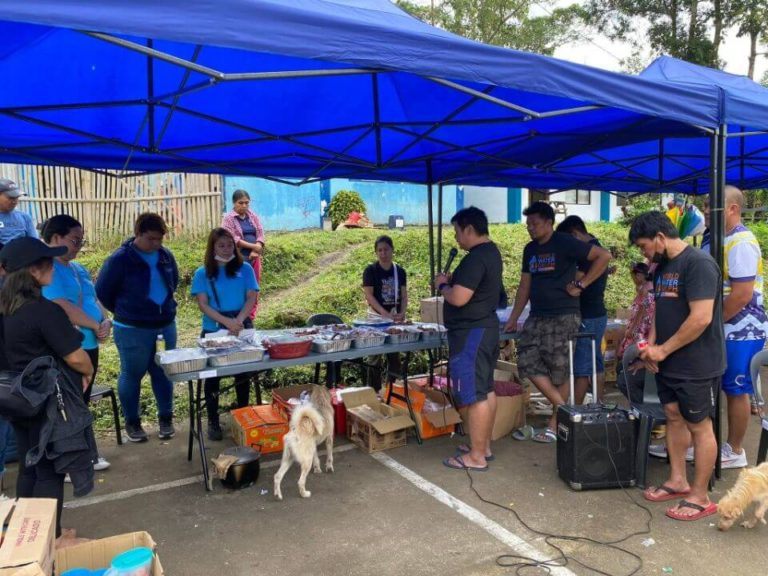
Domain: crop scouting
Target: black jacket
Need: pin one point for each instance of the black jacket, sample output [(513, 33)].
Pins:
[(66, 434)]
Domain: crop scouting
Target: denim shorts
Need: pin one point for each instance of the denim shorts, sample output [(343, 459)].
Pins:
[(582, 356)]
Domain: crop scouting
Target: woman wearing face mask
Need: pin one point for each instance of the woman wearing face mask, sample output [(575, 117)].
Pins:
[(248, 233), (632, 381), (226, 291), (72, 289)]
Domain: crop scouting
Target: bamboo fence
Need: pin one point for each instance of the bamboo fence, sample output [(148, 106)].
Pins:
[(108, 204)]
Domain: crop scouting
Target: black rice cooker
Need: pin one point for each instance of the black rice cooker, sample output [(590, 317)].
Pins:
[(245, 471)]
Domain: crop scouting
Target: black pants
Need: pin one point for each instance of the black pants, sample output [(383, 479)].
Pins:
[(213, 386), (93, 354), (41, 480)]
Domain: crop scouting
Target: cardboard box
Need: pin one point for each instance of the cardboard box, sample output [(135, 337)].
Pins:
[(429, 423), (373, 425), (259, 426), (431, 309), (614, 334), (510, 415), (98, 554), (28, 542), (281, 397)]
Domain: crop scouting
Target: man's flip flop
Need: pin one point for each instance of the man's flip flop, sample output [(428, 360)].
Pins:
[(547, 436), (668, 494), (464, 449), (702, 511), (456, 463)]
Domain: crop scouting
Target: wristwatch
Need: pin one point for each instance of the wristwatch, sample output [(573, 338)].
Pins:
[(578, 284)]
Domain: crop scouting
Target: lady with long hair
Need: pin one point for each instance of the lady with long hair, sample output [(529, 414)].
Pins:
[(72, 288), (35, 327), (248, 233), (226, 291)]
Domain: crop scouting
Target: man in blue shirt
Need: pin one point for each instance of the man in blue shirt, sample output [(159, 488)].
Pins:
[(13, 224)]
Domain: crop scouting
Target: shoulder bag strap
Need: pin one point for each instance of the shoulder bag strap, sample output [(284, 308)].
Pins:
[(215, 292)]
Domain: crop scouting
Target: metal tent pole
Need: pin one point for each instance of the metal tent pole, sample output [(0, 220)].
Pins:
[(439, 225), (717, 236), (431, 225)]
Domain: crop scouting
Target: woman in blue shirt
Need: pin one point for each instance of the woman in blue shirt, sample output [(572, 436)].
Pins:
[(226, 291), (72, 289)]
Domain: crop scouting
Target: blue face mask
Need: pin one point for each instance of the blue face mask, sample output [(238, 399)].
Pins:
[(224, 260)]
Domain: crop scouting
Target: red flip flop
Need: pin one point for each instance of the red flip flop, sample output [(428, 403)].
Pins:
[(669, 494), (702, 511)]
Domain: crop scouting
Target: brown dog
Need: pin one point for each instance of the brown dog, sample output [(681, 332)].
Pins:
[(311, 423), (752, 486)]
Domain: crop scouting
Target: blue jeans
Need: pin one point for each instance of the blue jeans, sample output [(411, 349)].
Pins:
[(137, 348), (582, 356)]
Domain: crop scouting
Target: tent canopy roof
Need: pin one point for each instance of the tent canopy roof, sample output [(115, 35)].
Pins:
[(308, 90)]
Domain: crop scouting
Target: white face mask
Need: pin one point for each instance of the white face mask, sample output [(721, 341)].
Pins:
[(224, 260)]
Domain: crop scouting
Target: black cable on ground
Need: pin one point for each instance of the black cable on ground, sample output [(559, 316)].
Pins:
[(525, 565)]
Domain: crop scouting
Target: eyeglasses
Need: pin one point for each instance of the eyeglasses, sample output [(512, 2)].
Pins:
[(76, 242)]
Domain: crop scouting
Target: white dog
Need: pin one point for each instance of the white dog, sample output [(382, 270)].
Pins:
[(311, 423)]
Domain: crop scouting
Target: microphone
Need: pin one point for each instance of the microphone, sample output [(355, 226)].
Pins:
[(451, 255)]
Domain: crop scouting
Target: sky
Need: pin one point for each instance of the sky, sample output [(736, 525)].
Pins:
[(600, 52)]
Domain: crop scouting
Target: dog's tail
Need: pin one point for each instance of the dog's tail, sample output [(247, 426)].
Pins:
[(307, 420)]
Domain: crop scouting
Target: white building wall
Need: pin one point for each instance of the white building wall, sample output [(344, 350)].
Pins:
[(491, 200)]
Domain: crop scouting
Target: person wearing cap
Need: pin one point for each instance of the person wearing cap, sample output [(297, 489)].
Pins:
[(137, 283), (13, 223), (35, 327)]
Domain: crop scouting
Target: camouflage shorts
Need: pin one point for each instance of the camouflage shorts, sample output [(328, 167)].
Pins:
[(542, 349)]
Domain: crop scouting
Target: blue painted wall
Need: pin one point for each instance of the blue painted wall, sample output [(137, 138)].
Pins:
[(279, 206), (285, 207)]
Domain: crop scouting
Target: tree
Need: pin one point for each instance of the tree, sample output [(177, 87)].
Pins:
[(751, 19), (507, 23), (688, 29)]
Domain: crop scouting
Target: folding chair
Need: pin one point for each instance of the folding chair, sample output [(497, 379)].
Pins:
[(758, 360), (101, 392)]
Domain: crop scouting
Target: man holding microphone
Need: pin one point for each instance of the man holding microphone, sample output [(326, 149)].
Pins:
[(471, 296)]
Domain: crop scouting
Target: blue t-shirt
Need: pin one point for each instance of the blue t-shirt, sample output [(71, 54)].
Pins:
[(232, 292), (73, 283), (15, 224), (158, 290)]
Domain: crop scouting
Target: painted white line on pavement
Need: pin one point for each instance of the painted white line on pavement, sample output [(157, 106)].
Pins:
[(503, 535), (82, 502)]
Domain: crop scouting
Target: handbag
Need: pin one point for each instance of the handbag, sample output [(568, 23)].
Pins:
[(13, 406)]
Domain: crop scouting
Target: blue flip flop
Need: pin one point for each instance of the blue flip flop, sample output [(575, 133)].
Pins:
[(464, 449), (461, 466)]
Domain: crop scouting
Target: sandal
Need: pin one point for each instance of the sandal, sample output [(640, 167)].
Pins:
[(524, 433), (546, 436), (668, 493), (456, 463), (464, 449), (702, 511)]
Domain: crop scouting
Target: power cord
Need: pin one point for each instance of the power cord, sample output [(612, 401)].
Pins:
[(522, 563)]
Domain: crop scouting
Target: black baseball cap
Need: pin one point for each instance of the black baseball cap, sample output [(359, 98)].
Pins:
[(22, 252)]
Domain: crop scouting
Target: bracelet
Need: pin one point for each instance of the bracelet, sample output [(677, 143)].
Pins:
[(441, 286)]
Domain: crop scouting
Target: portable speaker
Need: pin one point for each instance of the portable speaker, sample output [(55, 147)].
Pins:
[(595, 447)]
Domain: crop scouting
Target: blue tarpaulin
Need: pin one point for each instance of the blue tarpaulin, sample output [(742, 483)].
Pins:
[(310, 90)]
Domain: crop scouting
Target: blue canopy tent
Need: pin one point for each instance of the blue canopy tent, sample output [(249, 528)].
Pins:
[(300, 91)]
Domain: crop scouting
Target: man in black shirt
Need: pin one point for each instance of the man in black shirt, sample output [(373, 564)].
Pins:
[(594, 316), (686, 350), (471, 296), (548, 279)]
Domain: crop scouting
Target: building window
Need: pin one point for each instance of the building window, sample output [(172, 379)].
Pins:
[(578, 197), (622, 200)]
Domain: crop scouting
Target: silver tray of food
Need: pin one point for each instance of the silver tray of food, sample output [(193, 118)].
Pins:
[(326, 345), (218, 342), (431, 331), (182, 360), (401, 335), (241, 355), (366, 338)]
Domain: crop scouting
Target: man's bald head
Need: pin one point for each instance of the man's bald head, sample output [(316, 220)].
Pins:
[(734, 196)]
